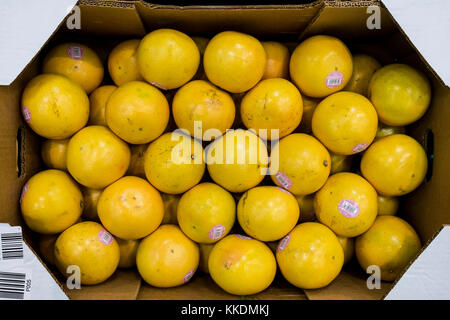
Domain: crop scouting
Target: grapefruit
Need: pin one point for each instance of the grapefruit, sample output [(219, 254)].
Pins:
[(130, 208), (174, 163), (234, 61), (122, 62), (167, 58), (303, 164), (241, 265), (267, 213), (273, 104), (364, 66), (98, 99), (137, 112), (384, 131), (128, 250), (320, 66), (51, 202), (199, 106), (170, 208), (96, 157), (345, 122), (306, 205), (340, 163), (206, 213), (90, 247), (310, 256), (167, 258), (54, 153), (47, 247), (348, 244), (309, 105), (237, 160), (391, 243), (91, 197), (277, 62), (347, 204), (136, 167), (394, 165), (77, 62), (205, 251), (400, 93), (388, 206), (54, 106)]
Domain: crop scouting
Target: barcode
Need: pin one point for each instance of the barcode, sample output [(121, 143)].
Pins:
[(334, 82), (12, 285), (76, 52), (12, 246), (219, 232), (216, 232), (349, 207)]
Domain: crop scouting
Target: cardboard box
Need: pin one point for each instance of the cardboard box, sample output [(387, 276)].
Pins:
[(105, 23)]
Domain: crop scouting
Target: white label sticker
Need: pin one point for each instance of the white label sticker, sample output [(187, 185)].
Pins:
[(105, 237), (334, 79), (15, 285), (348, 208), (188, 276), (240, 236), (284, 243), (283, 180), (26, 114), (75, 52), (360, 147), (11, 246), (216, 232)]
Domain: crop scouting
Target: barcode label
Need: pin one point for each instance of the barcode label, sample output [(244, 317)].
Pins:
[(334, 79), (11, 246), (348, 208), (216, 232), (105, 237), (75, 52), (334, 82), (15, 285)]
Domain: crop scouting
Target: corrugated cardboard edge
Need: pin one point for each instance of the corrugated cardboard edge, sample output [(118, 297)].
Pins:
[(405, 269), (229, 7), (63, 288), (339, 4)]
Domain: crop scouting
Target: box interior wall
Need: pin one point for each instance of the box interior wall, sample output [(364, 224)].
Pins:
[(105, 23)]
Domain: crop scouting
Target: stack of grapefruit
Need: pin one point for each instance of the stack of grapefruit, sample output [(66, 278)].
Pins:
[(228, 155)]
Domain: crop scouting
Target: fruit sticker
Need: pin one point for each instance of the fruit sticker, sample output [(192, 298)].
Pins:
[(75, 52), (24, 191), (105, 237), (284, 190), (188, 276), (284, 243), (283, 180), (240, 236), (216, 232), (156, 84), (360, 147), (348, 208), (26, 114), (334, 79)]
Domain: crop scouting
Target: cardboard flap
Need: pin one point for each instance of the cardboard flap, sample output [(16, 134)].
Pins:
[(430, 35), (268, 21), (123, 285), (427, 278), (25, 26), (349, 285), (202, 287)]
